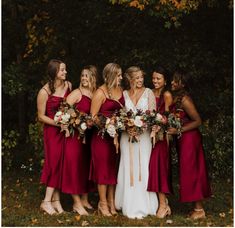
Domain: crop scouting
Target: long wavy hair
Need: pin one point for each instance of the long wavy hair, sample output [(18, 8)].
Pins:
[(129, 76), (110, 72), (92, 76), (52, 71)]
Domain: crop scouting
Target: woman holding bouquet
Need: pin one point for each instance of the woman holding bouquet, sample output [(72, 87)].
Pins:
[(48, 102), (194, 184), (159, 166), (131, 192), (76, 163), (106, 100)]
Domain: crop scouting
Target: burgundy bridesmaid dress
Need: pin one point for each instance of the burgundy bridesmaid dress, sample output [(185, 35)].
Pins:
[(76, 163), (194, 184), (159, 165), (104, 160), (53, 146)]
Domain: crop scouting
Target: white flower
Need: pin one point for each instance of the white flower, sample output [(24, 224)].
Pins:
[(65, 118), (57, 116), (159, 117), (107, 121), (111, 130), (83, 126), (138, 122)]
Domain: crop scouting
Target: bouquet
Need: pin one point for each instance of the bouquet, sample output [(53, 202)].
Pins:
[(63, 117), (174, 121), (133, 122), (81, 121), (109, 125), (157, 124)]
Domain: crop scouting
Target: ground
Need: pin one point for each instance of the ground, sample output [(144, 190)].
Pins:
[(22, 194)]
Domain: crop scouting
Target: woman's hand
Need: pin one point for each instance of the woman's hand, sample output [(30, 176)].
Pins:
[(172, 131)]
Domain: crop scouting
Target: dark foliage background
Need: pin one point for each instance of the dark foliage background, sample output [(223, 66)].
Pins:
[(97, 32)]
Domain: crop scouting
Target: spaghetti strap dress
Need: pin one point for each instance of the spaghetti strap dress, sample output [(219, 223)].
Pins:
[(54, 142), (76, 162), (159, 165), (104, 159)]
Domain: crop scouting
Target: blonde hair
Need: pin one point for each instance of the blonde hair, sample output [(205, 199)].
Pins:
[(129, 75), (93, 74), (110, 72)]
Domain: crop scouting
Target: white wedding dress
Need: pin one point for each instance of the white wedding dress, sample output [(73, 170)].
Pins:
[(131, 191)]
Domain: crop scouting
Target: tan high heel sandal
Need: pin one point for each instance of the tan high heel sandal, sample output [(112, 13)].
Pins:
[(80, 210), (103, 209), (198, 214), (112, 208), (57, 206), (164, 211), (47, 207)]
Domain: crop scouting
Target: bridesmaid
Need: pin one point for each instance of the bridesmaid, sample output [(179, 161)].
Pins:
[(76, 163), (194, 184), (48, 101), (159, 166), (106, 100)]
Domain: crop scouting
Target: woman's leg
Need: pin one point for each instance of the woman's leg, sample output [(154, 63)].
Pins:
[(85, 202), (111, 196), (103, 204), (46, 204), (77, 205), (164, 208), (56, 201)]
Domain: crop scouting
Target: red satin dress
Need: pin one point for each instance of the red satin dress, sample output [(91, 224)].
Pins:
[(54, 141), (104, 159), (76, 162), (159, 165), (193, 175)]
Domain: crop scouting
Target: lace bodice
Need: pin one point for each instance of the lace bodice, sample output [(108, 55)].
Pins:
[(147, 101)]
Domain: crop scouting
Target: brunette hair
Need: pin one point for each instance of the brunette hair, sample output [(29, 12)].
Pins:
[(128, 76), (181, 77), (52, 71), (163, 71), (110, 73)]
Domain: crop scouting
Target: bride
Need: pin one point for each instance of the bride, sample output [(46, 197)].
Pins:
[(133, 198)]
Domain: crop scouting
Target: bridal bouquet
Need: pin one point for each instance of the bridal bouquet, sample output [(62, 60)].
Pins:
[(157, 124), (134, 123)]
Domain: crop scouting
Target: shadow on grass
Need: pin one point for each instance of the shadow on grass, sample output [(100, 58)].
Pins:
[(22, 195)]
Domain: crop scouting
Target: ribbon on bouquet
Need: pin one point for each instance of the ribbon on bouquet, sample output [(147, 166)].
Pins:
[(131, 153), (115, 142)]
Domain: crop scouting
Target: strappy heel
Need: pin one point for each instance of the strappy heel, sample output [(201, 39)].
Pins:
[(103, 209), (57, 206), (164, 211), (80, 210), (112, 208), (47, 207), (198, 213)]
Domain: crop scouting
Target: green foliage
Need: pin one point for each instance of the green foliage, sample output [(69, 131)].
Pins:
[(14, 81), (218, 144), (35, 140), (9, 144)]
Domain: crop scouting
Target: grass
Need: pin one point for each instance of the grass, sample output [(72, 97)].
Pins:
[(22, 194)]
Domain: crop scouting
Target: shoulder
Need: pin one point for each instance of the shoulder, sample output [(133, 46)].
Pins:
[(186, 98), (45, 90), (99, 93), (167, 95), (75, 92), (149, 91), (69, 85)]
